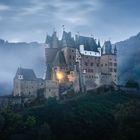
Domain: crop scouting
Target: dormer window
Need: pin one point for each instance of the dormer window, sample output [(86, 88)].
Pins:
[(20, 77)]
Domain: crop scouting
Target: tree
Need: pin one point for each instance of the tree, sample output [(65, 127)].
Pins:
[(127, 119), (132, 84)]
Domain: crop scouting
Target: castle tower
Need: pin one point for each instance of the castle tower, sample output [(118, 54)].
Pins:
[(25, 83), (67, 40), (51, 49), (107, 47), (109, 61), (64, 41), (59, 65), (52, 41), (55, 42)]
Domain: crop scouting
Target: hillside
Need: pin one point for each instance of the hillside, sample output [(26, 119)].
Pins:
[(113, 116), (129, 58), (14, 55)]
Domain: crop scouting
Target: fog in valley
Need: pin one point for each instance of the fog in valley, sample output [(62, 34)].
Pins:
[(14, 55)]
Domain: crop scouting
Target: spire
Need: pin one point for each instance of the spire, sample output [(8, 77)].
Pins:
[(115, 50), (46, 40), (64, 41), (99, 46), (107, 47), (55, 43)]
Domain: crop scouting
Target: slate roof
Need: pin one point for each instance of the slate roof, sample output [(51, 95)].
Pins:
[(60, 60), (107, 47), (88, 42), (67, 40), (52, 40), (28, 74), (50, 54), (48, 39)]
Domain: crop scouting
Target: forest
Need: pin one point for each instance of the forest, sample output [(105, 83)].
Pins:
[(93, 116)]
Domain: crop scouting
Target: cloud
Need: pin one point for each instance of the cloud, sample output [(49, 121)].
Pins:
[(4, 7), (104, 18)]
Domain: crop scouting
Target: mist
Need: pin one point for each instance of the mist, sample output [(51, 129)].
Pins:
[(14, 55), (128, 59)]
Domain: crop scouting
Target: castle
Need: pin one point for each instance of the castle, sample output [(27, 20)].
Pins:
[(72, 64)]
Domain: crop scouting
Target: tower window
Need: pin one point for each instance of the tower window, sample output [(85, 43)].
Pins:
[(110, 64), (115, 70), (86, 64), (20, 76), (111, 70), (91, 70), (91, 64)]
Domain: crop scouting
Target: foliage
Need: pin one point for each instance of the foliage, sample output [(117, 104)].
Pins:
[(112, 116), (132, 84), (127, 117)]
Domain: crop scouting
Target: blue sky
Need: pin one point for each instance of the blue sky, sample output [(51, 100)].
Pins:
[(29, 20)]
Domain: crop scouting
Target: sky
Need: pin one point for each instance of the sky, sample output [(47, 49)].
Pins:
[(31, 20)]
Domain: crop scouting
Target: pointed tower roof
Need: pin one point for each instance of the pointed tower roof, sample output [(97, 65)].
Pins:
[(107, 47), (28, 74), (60, 60), (48, 39), (67, 40), (99, 45), (115, 50), (52, 41), (55, 42)]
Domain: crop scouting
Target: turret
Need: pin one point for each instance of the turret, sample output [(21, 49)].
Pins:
[(55, 42), (52, 41), (99, 46), (64, 42), (67, 40), (107, 47), (48, 41), (115, 50)]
